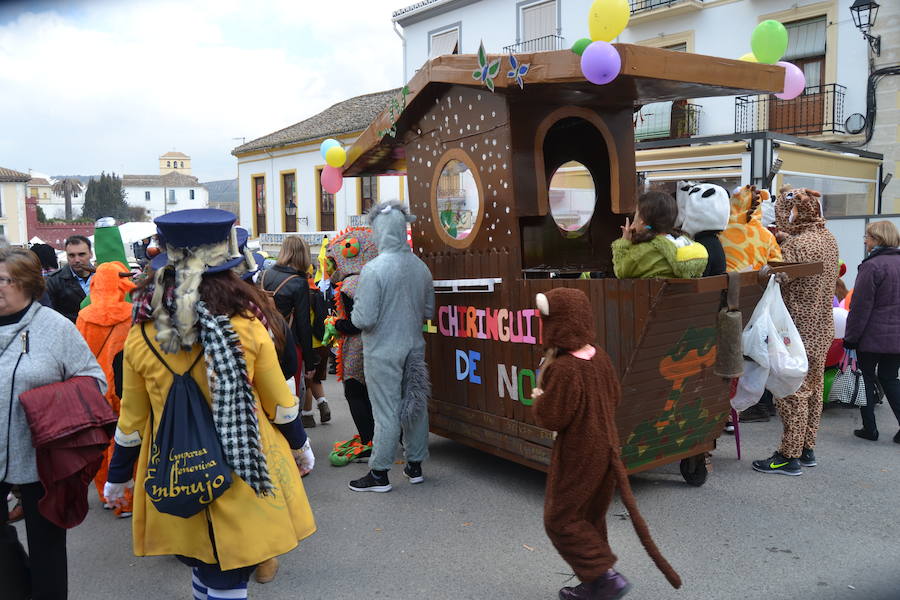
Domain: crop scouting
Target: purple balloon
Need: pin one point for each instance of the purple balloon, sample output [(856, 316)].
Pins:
[(600, 62), (794, 81)]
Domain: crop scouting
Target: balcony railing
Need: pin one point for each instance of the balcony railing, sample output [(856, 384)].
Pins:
[(666, 121), (820, 109), (541, 44), (643, 5)]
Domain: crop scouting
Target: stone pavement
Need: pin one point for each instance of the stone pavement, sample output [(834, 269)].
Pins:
[(474, 530)]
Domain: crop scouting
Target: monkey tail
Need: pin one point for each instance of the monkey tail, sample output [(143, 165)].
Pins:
[(640, 526)]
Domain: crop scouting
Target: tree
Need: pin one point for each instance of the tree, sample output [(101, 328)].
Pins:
[(105, 198), (67, 187), (137, 213)]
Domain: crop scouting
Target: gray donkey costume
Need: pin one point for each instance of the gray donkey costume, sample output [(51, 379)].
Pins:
[(394, 297)]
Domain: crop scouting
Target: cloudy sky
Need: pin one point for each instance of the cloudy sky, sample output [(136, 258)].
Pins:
[(110, 85)]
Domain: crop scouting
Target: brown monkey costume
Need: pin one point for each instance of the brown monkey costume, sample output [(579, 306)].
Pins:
[(577, 397)]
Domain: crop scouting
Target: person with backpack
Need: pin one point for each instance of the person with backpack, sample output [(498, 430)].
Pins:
[(286, 284), (208, 417)]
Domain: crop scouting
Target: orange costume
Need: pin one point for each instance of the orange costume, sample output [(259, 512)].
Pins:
[(748, 245), (105, 323)]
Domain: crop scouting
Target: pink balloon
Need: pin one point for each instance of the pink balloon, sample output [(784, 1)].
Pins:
[(600, 62), (332, 179), (794, 81)]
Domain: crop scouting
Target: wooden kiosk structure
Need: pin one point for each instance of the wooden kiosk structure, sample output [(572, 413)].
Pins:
[(481, 167)]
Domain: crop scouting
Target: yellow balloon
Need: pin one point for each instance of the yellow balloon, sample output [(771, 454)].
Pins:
[(336, 156), (607, 19), (749, 57)]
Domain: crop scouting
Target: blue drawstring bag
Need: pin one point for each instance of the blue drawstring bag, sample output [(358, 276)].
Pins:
[(186, 469)]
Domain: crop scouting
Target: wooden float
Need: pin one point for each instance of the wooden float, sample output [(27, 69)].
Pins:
[(480, 167)]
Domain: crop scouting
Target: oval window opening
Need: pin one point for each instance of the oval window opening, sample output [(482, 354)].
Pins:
[(458, 201), (572, 198)]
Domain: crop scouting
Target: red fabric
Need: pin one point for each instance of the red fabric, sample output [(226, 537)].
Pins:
[(835, 353), (71, 424)]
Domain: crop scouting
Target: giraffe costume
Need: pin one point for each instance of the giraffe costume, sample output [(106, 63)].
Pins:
[(809, 300), (747, 243)]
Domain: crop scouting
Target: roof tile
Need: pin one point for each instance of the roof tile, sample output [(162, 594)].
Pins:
[(348, 116)]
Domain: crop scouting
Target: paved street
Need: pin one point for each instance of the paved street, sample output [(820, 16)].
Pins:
[(473, 529)]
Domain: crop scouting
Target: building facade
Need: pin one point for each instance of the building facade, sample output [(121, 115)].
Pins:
[(175, 162), (12, 206), (819, 138), (279, 174), (161, 194)]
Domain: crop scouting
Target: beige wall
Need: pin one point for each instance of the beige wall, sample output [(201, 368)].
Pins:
[(12, 197), (886, 137), (185, 170)]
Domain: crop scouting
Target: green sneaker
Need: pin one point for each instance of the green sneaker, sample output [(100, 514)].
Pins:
[(778, 463)]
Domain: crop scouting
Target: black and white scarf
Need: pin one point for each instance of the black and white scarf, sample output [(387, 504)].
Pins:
[(233, 403)]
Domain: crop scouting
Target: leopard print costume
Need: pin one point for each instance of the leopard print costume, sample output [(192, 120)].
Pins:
[(808, 299), (748, 245)]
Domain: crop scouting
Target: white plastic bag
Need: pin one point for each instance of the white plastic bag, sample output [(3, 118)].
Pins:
[(754, 343), (788, 363)]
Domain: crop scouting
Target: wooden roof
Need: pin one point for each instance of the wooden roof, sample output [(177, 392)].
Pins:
[(647, 75)]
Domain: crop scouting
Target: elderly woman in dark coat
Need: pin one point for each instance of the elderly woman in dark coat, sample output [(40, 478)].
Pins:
[(873, 325), (38, 346)]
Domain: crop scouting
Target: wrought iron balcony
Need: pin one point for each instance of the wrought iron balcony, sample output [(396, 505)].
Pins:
[(666, 121), (820, 109), (541, 44), (645, 5)]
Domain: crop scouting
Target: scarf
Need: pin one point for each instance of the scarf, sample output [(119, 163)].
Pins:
[(233, 403)]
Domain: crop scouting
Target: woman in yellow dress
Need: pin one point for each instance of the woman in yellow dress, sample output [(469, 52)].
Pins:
[(197, 318)]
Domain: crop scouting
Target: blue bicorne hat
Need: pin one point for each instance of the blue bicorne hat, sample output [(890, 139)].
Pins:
[(197, 227)]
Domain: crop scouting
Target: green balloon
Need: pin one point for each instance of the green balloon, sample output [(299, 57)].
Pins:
[(769, 42), (579, 46)]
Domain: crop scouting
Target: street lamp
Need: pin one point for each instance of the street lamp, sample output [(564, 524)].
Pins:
[(864, 13)]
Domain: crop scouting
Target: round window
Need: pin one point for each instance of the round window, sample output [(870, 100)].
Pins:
[(572, 198), (457, 202)]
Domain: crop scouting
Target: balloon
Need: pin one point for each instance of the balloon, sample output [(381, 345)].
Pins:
[(579, 46), (748, 58), (794, 81), (332, 179), (600, 63), (336, 156), (327, 144), (769, 41), (608, 18)]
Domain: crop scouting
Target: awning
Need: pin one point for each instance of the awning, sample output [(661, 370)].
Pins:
[(716, 161)]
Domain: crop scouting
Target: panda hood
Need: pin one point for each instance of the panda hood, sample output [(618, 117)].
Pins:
[(702, 207), (567, 319)]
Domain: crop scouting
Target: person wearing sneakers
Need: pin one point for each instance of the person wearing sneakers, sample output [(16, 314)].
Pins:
[(394, 298), (808, 300), (347, 254)]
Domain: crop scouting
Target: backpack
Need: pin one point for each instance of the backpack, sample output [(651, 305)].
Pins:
[(186, 469), (270, 294)]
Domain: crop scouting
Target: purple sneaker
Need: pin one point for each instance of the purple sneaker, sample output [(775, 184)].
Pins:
[(611, 586)]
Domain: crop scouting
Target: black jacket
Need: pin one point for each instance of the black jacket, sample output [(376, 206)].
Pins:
[(716, 263), (292, 300), (65, 292)]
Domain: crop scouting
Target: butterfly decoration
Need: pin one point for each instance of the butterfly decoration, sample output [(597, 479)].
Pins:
[(486, 71), (517, 70)]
